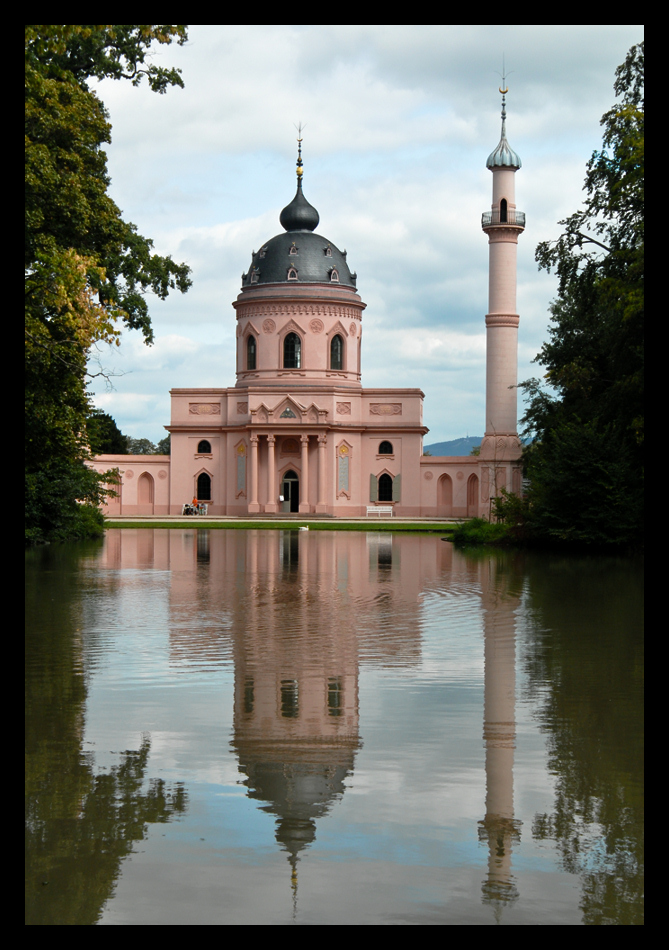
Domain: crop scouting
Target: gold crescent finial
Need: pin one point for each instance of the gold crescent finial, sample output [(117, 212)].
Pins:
[(504, 91)]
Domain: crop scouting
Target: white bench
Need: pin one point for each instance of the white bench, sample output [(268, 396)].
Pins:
[(379, 510)]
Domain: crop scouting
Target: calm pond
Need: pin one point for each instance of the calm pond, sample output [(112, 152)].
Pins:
[(326, 727)]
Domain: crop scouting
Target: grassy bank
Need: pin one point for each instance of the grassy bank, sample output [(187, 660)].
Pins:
[(480, 531), (199, 523)]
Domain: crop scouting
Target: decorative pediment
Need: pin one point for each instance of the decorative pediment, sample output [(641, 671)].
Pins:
[(288, 410), (261, 413), (251, 328), (338, 328), (293, 327), (313, 414)]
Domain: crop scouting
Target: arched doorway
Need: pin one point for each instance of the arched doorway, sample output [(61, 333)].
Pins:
[(385, 487), (472, 496), (145, 494), (445, 497), (290, 489)]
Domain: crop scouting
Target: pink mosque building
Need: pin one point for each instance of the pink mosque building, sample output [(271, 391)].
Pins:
[(298, 432)]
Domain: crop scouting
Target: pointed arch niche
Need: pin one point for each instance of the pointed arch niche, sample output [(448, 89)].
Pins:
[(445, 496), (145, 493), (472, 496)]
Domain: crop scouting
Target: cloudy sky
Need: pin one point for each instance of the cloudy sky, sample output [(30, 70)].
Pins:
[(399, 121)]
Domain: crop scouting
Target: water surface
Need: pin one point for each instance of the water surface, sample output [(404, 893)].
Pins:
[(272, 727)]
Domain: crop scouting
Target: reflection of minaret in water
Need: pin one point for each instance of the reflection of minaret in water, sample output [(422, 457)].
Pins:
[(296, 694), (499, 828)]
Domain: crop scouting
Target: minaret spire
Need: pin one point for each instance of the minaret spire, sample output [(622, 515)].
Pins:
[(504, 156)]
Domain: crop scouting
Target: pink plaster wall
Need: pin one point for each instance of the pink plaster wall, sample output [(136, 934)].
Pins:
[(144, 487)]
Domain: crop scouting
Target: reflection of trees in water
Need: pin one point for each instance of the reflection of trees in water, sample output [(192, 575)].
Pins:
[(77, 835), (588, 677), (79, 825)]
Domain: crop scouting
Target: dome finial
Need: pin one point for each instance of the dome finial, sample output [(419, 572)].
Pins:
[(299, 215), (300, 170)]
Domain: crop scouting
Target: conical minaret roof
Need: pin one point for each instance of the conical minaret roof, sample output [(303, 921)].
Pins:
[(503, 156)]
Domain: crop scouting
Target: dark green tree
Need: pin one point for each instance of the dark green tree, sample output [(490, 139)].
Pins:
[(104, 436), (86, 269), (585, 466)]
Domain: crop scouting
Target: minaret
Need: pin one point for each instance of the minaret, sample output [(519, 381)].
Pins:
[(503, 223)]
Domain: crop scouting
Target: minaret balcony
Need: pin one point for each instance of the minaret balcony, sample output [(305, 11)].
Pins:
[(506, 218)]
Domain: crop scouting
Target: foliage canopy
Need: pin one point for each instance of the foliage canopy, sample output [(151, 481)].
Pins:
[(585, 465), (87, 270)]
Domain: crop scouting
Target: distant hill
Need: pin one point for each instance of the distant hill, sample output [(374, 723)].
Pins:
[(455, 446)]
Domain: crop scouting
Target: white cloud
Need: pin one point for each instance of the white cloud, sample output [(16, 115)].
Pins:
[(399, 123)]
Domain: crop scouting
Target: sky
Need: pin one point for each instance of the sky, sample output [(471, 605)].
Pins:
[(398, 124)]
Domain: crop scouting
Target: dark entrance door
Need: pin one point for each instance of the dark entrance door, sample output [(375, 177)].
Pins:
[(290, 489)]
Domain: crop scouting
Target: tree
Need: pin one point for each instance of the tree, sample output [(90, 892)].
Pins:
[(86, 269), (104, 436), (141, 447), (585, 466)]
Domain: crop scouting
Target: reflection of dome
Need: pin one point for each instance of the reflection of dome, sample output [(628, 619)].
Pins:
[(298, 792)]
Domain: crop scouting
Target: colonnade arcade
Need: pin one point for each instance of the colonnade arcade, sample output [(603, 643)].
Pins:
[(281, 460)]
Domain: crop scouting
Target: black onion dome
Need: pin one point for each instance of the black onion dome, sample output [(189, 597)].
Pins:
[(299, 215), (299, 255)]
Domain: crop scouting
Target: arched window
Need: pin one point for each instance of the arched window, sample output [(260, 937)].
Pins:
[(385, 487), (292, 273), (386, 448), (204, 447), (251, 352), (503, 214), (292, 352), (337, 352), (203, 487), (334, 274)]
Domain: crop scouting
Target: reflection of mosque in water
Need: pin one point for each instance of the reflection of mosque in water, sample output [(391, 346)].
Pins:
[(286, 605)]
